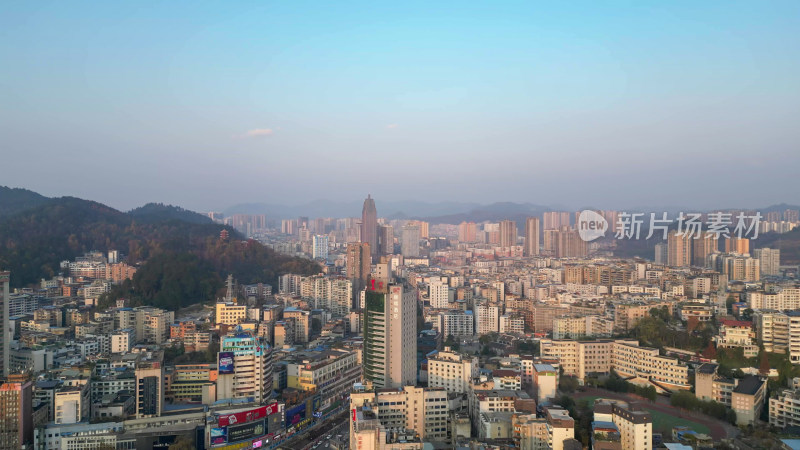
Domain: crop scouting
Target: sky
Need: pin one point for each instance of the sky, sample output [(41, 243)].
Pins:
[(210, 104)]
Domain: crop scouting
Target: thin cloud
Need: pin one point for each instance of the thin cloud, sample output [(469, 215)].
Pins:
[(391, 126), (258, 133)]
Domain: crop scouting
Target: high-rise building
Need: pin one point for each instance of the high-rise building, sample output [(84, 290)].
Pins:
[(320, 246), (770, 260), (737, 245), (386, 239), (6, 330), (508, 233), (553, 220), (149, 389), (244, 367), (423, 228), (703, 246), (661, 253), (679, 250), (357, 265), (16, 416), (439, 294), (531, 236), (791, 215), (410, 245), (467, 232), (369, 226), (390, 336)]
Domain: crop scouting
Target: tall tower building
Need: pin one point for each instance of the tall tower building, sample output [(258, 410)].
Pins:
[(679, 250), (386, 239), (369, 226), (244, 367), (319, 246), (770, 260), (508, 233), (410, 245), (390, 336), (149, 389), (467, 232), (16, 416), (702, 247), (5, 331), (357, 265), (737, 245), (531, 236), (554, 220)]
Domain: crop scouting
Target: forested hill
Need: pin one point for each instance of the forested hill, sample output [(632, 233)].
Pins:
[(159, 212), (14, 200), (181, 262)]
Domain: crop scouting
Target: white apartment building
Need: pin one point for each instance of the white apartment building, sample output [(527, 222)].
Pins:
[(786, 298), (625, 356), (547, 433), (121, 341), (635, 425), (512, 324), (440, 295), (423, 410), (229, 313), (455, 323), (451, 371), (487, 319), (772, 329)]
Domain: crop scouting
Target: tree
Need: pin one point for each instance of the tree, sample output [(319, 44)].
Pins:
[(567, 384), (710, 352), (729, 303), (763, 365)]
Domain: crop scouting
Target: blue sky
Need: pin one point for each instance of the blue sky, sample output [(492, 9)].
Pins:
[(614, 104)]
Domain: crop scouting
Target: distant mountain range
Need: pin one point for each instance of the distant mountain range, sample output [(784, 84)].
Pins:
[(441, 212)]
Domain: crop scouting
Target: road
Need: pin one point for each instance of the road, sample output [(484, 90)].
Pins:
[(322, 436)]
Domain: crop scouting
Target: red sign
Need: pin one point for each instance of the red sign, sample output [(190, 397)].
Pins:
[(247, 416), (354, 414)]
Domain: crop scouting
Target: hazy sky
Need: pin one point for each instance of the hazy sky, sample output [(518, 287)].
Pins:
[(208, 104)]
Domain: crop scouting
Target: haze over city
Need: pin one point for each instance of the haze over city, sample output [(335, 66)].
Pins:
[(607, 104)]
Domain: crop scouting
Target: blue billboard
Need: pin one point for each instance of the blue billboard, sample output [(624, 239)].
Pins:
[(225, 363), (296, 414)]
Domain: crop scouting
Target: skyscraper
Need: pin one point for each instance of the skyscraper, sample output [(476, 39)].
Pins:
[(467, 232), (369, 226), (390, 336), (737, 245), (679, 250), (357, 265), (770, 260), (16, 421), (702, 247), (5, 331), (244, 367), (410, 245), (386, 239), (554, 220), (531, 236), (508, 233), (320, 246)]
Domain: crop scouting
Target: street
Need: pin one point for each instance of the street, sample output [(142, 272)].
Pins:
[(323, 436)]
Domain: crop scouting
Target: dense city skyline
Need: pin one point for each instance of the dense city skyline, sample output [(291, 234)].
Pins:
[(572, 104)]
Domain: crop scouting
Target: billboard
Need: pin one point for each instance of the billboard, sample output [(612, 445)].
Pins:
[(246, 431), (219, 435), (295, 415), (247, 416), (225, 363)]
